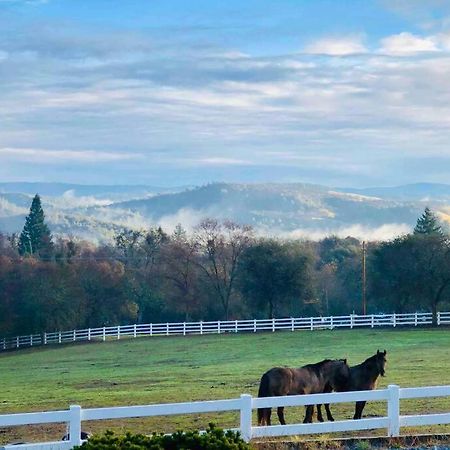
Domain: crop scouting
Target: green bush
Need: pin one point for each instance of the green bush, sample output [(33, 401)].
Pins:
[(213, 439)]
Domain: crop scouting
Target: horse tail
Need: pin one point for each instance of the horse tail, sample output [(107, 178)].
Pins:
[(263, 391)]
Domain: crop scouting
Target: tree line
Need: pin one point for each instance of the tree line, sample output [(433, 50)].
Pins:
[(220, 271)]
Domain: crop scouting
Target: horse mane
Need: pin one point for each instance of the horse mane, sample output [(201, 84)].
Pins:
[(317, 366), (370, 359)]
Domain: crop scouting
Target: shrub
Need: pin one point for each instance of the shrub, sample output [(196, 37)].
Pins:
[(213, 439)]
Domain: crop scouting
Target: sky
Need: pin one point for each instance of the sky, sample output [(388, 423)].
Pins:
[(174, 92)]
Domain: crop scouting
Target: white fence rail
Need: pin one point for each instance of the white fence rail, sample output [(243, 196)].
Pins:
[(229, 326), (246, 404)]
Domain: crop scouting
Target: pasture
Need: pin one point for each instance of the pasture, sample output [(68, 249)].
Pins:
[(177, 369)]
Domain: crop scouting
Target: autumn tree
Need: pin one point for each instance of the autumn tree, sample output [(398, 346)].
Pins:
[(275, 277)]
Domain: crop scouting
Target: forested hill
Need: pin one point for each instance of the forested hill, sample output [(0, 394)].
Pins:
[(296, 209)]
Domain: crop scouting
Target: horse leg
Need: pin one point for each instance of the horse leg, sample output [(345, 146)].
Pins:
[(280, 412), (319, 413), (309, 414), (359, 409), (328, 411), (268, 415)]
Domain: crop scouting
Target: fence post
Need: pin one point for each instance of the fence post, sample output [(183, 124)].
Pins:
[(394, 410), (74, 338), (218, 327), (201, 327), (89, 334), (31, 339), (254, 325), (331, 323), (75, 425), (311, 323), (394, 320), (351, 320), (235, 326), (59, 337), (273, 325), (167, 328), (292, 324), (415, 319), (246, 417), (17, 341), (184, 328), (118, 332), (104, 334), (372, 321), (151, 329), (439, 318), (134, 330)]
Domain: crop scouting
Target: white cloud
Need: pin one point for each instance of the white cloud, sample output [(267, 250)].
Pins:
[(407, 44), (339, 46), (221, 161), (48, 156), (362, 232)]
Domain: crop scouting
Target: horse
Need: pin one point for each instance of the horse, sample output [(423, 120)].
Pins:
[(309, 379), (363, 377)]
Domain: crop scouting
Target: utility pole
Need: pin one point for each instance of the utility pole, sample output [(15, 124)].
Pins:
[(364, 278)]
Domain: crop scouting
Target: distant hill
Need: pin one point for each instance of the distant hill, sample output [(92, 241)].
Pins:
[(409, 192), (289, 209)]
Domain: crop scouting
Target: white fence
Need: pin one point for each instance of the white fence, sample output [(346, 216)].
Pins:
[(246, 404), (229, 326)]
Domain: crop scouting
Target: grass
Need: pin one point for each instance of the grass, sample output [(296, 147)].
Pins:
[(177, 369)]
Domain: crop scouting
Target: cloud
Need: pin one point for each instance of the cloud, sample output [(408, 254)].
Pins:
[(407, 44), (61, 156), (362, 232), (339, 46), (155, 108)]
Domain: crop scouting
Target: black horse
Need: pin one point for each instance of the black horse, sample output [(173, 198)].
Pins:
[(309, 379), (363, 377)]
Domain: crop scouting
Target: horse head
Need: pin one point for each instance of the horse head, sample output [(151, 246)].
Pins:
[(380, 361)]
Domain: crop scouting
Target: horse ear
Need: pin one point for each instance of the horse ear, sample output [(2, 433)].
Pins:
[(385, 352), (345, 360), (378, 351)]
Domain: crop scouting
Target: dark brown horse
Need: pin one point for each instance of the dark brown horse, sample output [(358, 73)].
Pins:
[(309, 379), (363, 377)]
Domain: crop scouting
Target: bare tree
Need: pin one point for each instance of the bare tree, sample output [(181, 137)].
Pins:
[(220, 245)]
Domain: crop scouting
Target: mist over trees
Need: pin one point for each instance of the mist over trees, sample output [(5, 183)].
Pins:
[(220, 271)]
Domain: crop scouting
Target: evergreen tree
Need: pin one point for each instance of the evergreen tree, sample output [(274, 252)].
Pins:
[(35, 237), (428, 224)]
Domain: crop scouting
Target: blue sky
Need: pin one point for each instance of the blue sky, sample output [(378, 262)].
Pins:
[(344, 93)]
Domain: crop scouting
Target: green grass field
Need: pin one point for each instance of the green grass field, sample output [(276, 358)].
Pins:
[(179, 369)]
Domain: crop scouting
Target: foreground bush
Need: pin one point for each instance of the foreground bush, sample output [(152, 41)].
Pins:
[(213, 439)]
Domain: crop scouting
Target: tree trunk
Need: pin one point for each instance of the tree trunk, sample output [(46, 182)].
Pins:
[(434, 314)]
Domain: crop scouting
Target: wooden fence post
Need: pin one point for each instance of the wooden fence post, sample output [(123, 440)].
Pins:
[(394, 410), (246, 417)]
